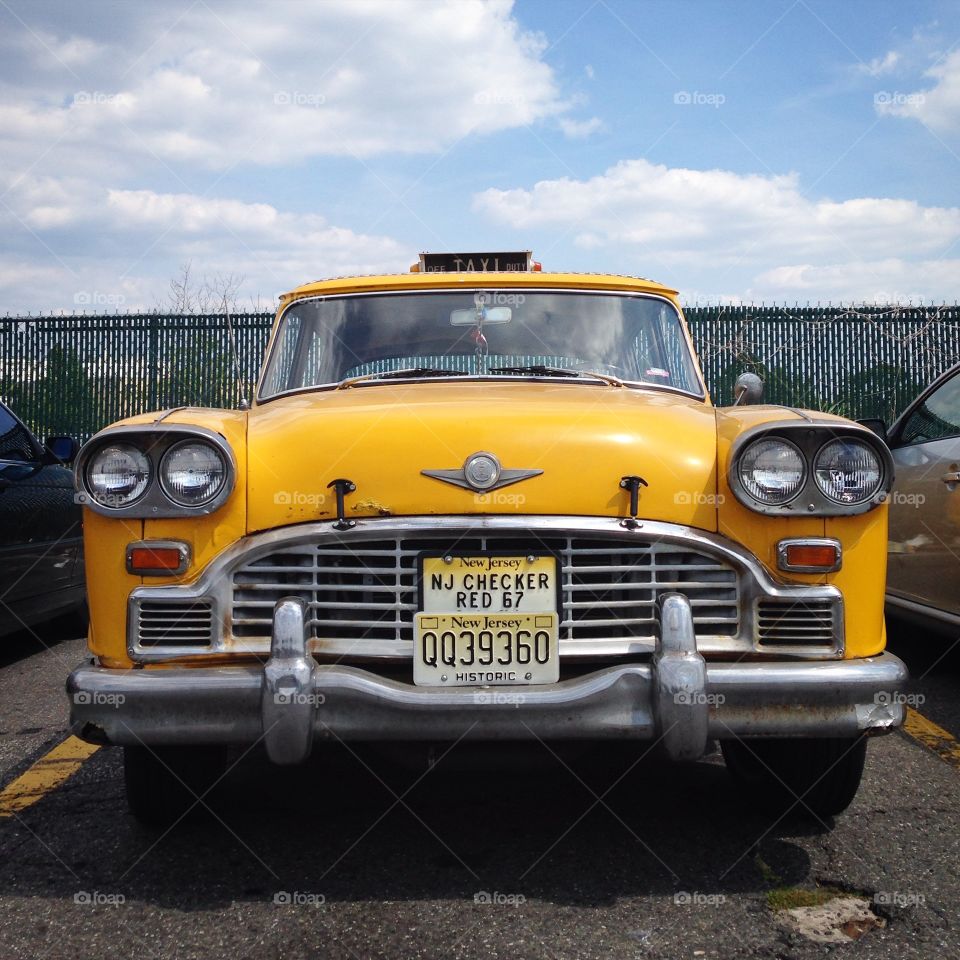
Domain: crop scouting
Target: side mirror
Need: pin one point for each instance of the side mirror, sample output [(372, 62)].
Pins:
[(877, 426), (60, 450), (747, 390)]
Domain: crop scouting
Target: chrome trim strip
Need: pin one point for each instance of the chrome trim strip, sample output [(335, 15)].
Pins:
[(184, 705), (908, 607), (755, 582)]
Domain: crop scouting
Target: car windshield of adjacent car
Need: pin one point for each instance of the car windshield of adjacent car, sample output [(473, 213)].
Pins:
[(490, 333), (936, 417), (15, 441)]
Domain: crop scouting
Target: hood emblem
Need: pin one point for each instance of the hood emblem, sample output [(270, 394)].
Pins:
[(482, 472)]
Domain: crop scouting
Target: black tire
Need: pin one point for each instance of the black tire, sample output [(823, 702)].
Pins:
[(164, 783), (78, 620), (817, 776)]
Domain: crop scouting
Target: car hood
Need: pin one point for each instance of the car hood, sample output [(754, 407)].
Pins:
[(583, 437)]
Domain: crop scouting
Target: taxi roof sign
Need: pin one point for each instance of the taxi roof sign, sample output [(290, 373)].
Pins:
[(503, 262)]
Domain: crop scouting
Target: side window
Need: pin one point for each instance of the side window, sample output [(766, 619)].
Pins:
[(937, 417), (280, 374), (15, 441)]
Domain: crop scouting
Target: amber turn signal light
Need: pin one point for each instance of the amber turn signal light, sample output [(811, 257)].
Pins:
[(809, 555), (157, 558)]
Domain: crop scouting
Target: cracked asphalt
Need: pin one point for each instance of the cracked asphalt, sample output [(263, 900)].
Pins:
[(528, 854)]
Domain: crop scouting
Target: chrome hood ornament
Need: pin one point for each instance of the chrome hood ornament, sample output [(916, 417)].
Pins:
[(481, 472)]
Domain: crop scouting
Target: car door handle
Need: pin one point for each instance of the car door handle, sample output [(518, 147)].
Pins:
[(951, 477)]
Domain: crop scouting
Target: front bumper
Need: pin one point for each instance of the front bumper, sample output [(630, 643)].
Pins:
[(677, 698)]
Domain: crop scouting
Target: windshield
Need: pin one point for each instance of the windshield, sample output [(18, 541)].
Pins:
[(502, 333)]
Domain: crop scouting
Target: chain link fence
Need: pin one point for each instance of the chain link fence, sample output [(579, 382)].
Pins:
[(74, 374)]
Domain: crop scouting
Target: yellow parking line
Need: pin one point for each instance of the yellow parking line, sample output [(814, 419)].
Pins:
[(935, 738), (52, 769)]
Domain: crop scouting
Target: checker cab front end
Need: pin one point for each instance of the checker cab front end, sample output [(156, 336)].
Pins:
[(486, 505)]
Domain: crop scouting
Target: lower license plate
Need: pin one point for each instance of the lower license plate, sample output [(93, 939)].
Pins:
[(487, 620)]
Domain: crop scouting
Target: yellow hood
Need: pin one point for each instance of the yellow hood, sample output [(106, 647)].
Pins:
[(584, 437)]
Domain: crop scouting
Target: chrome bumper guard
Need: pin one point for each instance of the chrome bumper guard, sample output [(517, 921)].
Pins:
[(677, 698)]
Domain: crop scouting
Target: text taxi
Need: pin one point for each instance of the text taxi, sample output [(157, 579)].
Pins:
[(456, 483)]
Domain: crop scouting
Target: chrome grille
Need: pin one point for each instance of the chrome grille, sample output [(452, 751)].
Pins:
[(367, 590), (174, 623), (786, 623)]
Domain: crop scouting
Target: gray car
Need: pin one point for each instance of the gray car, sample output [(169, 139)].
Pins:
[(923, 573)]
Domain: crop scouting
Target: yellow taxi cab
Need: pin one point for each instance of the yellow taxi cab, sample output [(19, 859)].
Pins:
[(483, 501)]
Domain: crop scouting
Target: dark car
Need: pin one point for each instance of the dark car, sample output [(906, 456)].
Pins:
[(923, 575), (41, 544)]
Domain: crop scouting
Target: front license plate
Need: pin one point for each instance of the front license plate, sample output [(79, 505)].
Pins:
[(487, 620)]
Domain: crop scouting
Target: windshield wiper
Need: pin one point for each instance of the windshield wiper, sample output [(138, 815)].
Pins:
[(541, 370), (400, 374)]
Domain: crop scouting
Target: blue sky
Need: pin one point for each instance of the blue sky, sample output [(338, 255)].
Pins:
[(783, 150)]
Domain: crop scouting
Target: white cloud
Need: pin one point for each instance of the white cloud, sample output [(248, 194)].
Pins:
[(892, 280), (711, 224), (268, 83), (938, 107), (880, 65), (580, 129), (115, 119), (151, 233)]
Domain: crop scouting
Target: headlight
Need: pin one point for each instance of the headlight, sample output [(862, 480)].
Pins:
[(772, 471), (192, 473), (118, 475), (848, 471)]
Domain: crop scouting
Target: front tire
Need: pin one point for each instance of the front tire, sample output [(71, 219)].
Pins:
[(818, 776), (164, 784)]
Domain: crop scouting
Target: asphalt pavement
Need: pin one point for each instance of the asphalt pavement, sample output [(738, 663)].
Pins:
[(533, 852)]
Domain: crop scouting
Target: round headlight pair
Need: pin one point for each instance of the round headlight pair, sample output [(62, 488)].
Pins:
[(846, 470), (191, 472)]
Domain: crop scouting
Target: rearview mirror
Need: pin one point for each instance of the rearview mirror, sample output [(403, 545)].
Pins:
[(747, 390), (60, 450), (468, 317)]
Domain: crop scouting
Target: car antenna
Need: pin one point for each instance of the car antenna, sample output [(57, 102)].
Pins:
[(244, 402)]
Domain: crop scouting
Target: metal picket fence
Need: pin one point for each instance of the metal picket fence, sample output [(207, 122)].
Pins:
[(73, 374)]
